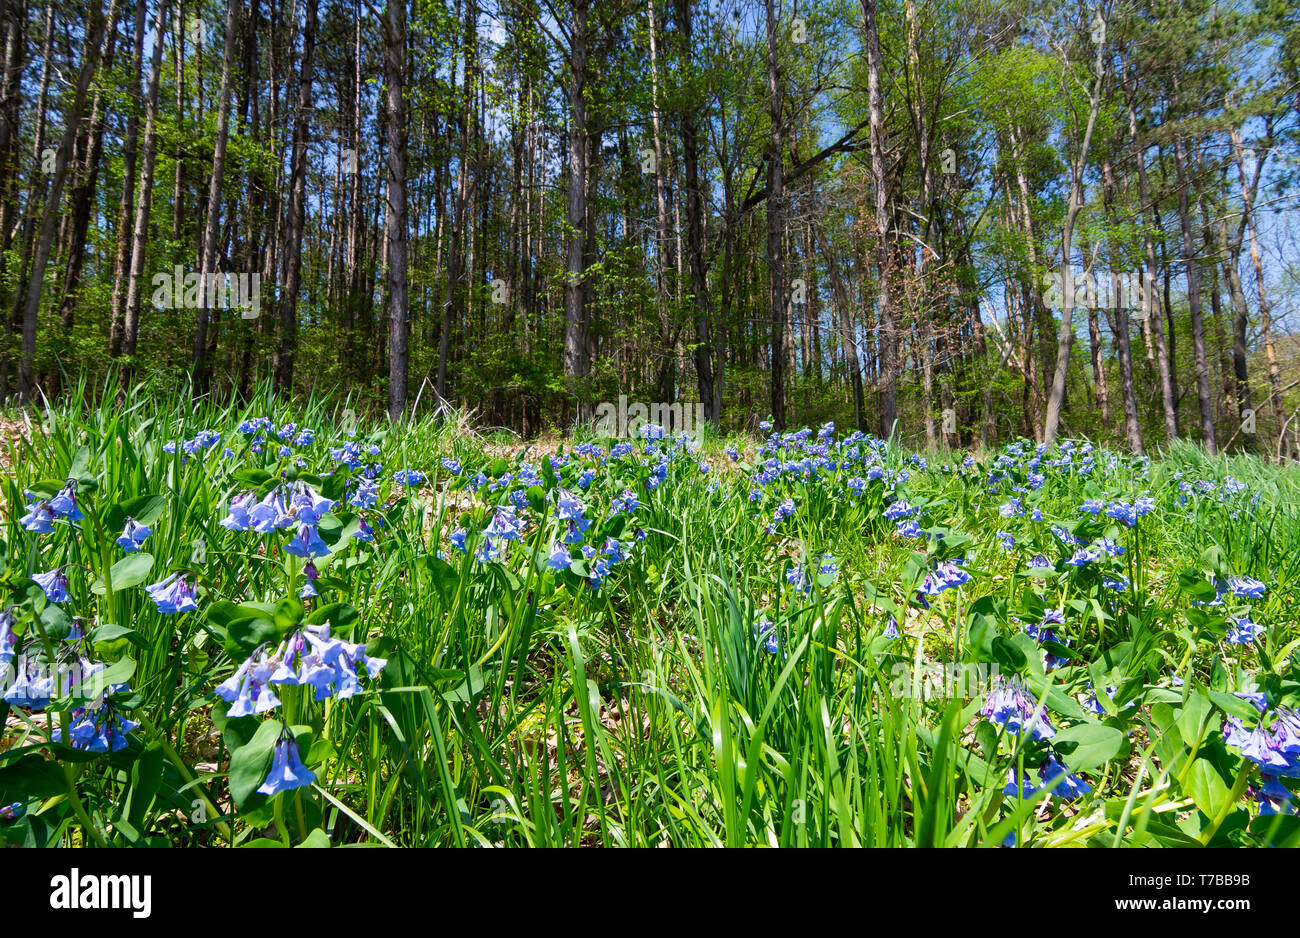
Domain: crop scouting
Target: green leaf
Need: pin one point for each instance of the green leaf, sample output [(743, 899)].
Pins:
[(1278, 830), (288, 613), (146, 779), (112, 633), (337, 529), (223, 612), (146, 509), (1008, 654), (1089, 745), (45, 488), (616, 526), (1233, 705), (980, 635), (340, 616), (1056, 700), (249, 765), (548, 473), (131, 570), (56, 622), (244, 635), (32, 776), (336, 484), (468, 690), (93, 686), (252, 477), (1207, 787), (1212, 559)]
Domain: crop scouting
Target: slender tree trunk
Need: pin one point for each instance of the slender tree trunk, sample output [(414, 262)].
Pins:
[(1132, 429), (454, 307), (663, 227), (178, 64), (576, 360), (775, 160), (14, 23), (1065, 337), (36, 277), (1229, 258), (126, 208), (889, 331), (287, 345), (848, 338), (395, 223), (1099, 381), (35, 191), (1152, 314), (207, 256), (355, 201), (704, 339), (83, 194), (1265, 309), (140, 228), (1194, 304), (11, 93)]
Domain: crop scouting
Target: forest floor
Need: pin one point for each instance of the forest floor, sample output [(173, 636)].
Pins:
[(11, 431)]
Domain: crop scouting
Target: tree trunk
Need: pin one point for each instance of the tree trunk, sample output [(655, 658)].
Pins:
[(207, 256), (576, 361), (1132, 429), (126, 208), (1152, 314), (287, 344), (1265, 309), (889, 332), (83, 194), (704, 340), (1194, 305), (1065, 337), (395, 223), (454, 306), (664, 259), (774, 158), (140, 228), (36, 276), (1099, 381)]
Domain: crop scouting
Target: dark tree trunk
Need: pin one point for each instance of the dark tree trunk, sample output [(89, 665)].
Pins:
[(287, 343), (776, 286), (207, 255), (50, 217), (395, 223)]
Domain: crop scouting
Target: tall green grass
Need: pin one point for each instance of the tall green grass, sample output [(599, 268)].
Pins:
[(518, 709)]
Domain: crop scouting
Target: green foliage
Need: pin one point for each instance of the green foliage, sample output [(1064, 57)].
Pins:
[(522, 705)]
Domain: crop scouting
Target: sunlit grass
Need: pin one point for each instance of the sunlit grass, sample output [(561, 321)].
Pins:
[(521, 706)]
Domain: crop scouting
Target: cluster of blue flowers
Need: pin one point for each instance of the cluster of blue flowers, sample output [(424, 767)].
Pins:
[(308, 657), (30, 680), (41, 514), (1054, 775), (97, 729), (945, 575), (287, 770), (1009, 705), (1273, 744)]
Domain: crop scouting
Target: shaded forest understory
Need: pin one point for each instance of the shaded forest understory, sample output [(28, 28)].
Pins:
[(964, 222)]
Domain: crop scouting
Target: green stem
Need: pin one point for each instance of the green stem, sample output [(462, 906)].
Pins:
[(174, 757), (70, 775), (298, 813), (1238, 789)]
